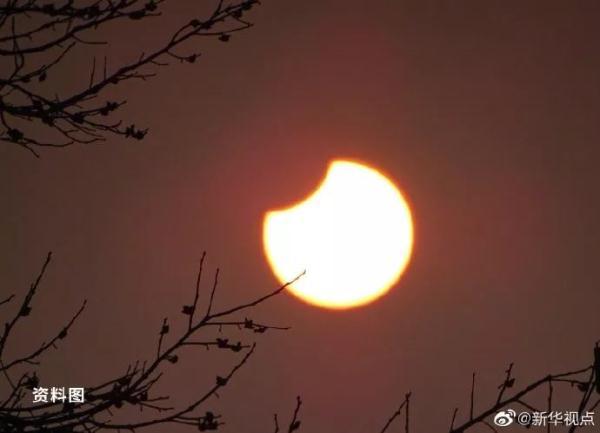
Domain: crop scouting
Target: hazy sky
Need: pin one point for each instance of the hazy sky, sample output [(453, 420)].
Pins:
[(484, 112)]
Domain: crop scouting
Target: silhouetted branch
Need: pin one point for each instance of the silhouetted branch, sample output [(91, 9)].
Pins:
[(571, 377), (295, 422), (259, 300), (587, 390), (7, 300), (34, 38), (404, 407), (508, 383), (45, 346), (134, 387), (454, 419), (24, 310), (191, 309)]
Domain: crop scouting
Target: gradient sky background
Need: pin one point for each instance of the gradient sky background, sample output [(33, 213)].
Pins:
[(485, 114)]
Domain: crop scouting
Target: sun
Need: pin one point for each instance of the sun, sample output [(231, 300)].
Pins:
[(353, 236)]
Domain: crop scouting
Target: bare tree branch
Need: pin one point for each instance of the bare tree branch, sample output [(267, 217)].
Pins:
[(134, 387), (404, 407), (51, 32)]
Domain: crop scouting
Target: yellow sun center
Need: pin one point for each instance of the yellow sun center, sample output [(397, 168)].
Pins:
[(353, 235)]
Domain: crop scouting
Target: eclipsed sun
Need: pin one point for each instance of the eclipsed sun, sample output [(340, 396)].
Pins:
[(353, 236)]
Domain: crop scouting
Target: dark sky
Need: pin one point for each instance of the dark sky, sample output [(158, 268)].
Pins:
[(484, 112)]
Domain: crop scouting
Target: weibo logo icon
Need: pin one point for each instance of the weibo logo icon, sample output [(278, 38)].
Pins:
[(505, 418)]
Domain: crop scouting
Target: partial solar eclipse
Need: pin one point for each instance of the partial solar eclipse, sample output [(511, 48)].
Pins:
[(353, 235)]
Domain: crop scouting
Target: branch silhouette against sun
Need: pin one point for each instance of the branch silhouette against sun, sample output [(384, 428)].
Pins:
[(36, 37), (135, 387)]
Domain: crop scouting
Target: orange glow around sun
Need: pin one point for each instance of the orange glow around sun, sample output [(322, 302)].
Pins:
[(353, 235)]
